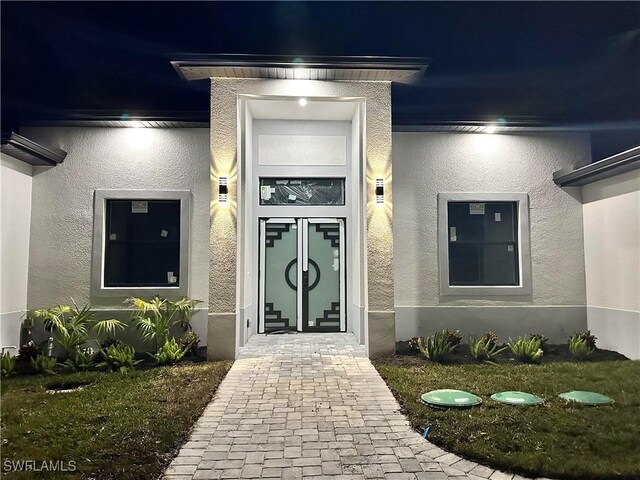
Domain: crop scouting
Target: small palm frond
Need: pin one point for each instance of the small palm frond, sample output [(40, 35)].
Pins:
[(109, 326), (141, 307)]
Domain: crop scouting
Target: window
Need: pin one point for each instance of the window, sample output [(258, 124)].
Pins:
[(141, 242), (301, 191), (484, 244)]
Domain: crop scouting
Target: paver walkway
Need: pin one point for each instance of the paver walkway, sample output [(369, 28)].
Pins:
[(311, 406)]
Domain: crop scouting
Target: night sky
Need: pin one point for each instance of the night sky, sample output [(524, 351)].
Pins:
[(574, 63)]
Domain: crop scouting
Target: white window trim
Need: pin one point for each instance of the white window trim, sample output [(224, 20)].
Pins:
[(524, 244), (99, 218)]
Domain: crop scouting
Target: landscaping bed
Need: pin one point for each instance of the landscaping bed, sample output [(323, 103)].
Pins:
[(556, 440), (110, 425)]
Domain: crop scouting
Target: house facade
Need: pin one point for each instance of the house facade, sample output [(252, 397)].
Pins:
[(301, 208)]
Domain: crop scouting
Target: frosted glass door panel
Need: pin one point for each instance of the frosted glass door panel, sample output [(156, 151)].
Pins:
[(280, 269)]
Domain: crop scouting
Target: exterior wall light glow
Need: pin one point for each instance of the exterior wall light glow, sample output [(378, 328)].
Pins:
[(379, 190), (223, 190), (302, 102), (490, 129)]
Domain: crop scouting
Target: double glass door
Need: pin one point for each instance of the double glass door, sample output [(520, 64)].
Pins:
[(302, 275)]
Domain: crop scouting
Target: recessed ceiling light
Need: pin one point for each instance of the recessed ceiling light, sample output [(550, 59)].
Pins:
[(490, 129), (302, 102)]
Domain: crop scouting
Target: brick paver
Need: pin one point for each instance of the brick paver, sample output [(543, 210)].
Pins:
[(310, 406)]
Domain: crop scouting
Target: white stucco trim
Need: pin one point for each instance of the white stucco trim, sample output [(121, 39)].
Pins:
[(524, 246)]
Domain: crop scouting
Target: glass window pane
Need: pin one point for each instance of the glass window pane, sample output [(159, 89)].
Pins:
[(483, 243), (142, 243), (301, 191), (324, 276)]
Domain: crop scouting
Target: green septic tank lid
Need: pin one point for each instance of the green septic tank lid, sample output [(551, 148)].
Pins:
[(588, 398), (517, 398), (450, 398)]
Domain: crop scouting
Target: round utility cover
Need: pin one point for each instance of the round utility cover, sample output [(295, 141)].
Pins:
[(450, 398), (517, 398), (587, 398)]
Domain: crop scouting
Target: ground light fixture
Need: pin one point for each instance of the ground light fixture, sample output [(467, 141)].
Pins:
[(302, 102), (379, 191), (223, 190)]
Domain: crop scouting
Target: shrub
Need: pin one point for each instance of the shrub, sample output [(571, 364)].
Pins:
[(71, 326), (454, 337), (28, 351), (171, 352), (527, 350), (119, 358), (110, 342), (543, 340), (485, 348), (436, 348), (155, 318), (189, 342), (7, 364), (579, 347), (413, 343), (43, 364), (82, 361), (589, 338)]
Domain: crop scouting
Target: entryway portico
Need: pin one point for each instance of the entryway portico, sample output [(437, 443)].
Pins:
[(279, 123)]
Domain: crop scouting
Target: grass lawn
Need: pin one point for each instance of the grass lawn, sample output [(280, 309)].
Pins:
[(556, 440), (119, 426)]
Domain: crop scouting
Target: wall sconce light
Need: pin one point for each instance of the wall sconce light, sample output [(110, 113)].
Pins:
[(223, 190), (379, 190)]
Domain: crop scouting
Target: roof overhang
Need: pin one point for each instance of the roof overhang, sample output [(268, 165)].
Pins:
[(289, 67), (608, 167)]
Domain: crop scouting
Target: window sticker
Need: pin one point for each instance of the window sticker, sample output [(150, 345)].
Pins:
[(476, 209), (139, 206), (498, 217), (452, 234), (265, 192), (164, 233)]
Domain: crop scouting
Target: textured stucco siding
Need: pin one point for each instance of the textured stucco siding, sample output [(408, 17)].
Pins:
[(428, 163), (109, 158), (224, 155), (612, 258)]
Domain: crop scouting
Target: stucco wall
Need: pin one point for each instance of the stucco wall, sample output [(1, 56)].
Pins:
[(428, 163), (110, 158), (612, 258), (224, 145), (15, 215)]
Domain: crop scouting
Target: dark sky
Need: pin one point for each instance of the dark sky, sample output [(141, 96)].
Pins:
[(560, 63)]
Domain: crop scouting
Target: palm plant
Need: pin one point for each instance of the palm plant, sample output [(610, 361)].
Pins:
[(154, 319), (72, 326)]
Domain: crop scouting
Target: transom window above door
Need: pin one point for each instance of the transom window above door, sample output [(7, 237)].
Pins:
[(302, 191)]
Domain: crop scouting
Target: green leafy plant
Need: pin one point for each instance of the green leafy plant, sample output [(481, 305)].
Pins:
[(119, 358), (154, 319), (526, 350), (543, 341), (589, 338), (82, 361), (454, 337), (485, 348), (43, 364), (189, 342), (171, 352), (72, 326), (436, 348), (7, 364), (579, 347)]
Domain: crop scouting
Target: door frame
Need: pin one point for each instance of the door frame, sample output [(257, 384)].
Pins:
[(302, 254)]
